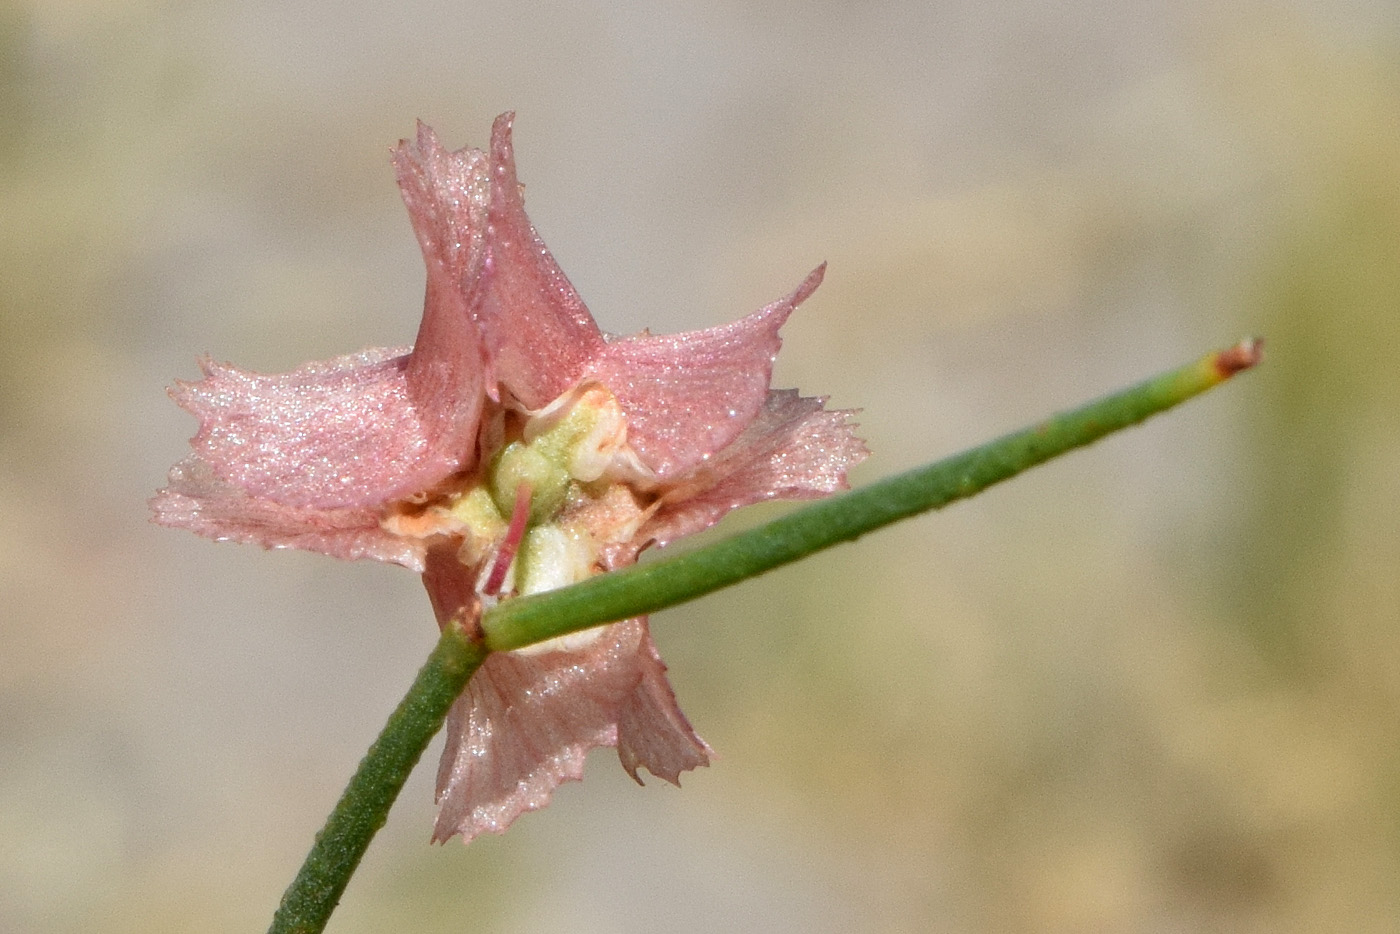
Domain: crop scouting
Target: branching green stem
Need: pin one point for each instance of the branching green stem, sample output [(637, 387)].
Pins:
[(364, 806)]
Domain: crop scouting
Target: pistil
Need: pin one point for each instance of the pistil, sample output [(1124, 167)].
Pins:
[(510, 544)]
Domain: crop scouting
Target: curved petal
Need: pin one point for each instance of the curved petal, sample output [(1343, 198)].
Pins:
[(333, 434), (447, 195), (538, 332), (379, 425), (525, 725), (689, 395), (794, 449), (651, 730), (199, 501)]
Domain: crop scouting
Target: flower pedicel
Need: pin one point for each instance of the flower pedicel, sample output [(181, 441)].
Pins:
[(513, 450)]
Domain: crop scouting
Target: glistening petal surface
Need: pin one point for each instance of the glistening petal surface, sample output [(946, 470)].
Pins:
[(537, 329), (794, 449), (368, 428), (525, 725), (197, 500), (333, 434), (687, 396), (447, 195), (652, 733)]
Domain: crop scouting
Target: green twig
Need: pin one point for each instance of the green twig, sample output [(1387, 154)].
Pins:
[(512, 624), (669, 581), (364, 807)]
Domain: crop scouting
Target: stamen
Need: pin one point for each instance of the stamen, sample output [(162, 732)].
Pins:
[(505, 554)]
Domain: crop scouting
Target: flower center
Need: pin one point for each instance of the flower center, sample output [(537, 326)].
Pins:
[(542, 511)]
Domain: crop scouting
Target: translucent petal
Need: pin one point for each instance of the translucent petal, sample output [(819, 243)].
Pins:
[(331, 434), (538, 331), (525, 725), (199, 501), (447, 195), (651, 731), (687, 396), (794, 449)]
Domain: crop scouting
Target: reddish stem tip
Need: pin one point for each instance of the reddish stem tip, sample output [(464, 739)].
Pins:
[(1242, 356)]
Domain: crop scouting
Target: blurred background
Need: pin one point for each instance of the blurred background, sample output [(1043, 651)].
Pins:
[(1152, 687)]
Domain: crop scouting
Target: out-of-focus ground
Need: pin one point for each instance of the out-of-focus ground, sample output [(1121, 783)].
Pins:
[(1152, 687)]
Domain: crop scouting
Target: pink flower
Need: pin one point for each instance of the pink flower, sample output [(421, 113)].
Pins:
[(515, 448)]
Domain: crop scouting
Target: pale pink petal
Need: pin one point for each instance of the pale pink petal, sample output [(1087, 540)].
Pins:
[(333, 434), (201, 502), (689, 395), (447, 195), (371, 427), (652, 731), (537, 329), (525, 725), (794, 449)]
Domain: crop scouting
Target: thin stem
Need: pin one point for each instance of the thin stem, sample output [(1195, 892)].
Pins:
[(669, 581), (364, 807)]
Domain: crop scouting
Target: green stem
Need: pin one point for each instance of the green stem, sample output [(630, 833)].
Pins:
[(668, 581), (364, 807)]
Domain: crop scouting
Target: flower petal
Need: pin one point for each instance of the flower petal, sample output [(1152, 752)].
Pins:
[(447, 195), (525, 725), (794, 449), (371, 427), (538, 331), (652, 731), (339, 433), (689, 395), (199, 501)]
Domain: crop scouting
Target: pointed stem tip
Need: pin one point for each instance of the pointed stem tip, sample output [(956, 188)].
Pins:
[(1247, 353)]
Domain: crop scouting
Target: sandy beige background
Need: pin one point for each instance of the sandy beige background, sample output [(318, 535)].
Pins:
[(1154, 687)]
